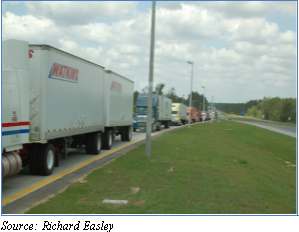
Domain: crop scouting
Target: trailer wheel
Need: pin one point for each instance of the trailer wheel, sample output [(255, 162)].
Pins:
[(46, 159), (128, 130), (87, 143), (123, 133), (32, 158), (108, 138), (167, 124), (95, 143), (134, 129)]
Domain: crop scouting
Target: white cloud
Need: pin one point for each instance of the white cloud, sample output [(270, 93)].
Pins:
[(67, 13), (232, 45)]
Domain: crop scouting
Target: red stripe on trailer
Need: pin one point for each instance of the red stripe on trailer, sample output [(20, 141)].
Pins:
[(11, 124)]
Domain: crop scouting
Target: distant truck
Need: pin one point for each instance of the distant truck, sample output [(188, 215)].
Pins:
[(204, 115), (208, 118), (216, 115), (53, 101), (198, 116), (191, 116), (161, 111), (178, 114)]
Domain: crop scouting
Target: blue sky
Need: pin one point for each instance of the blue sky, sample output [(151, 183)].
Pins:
[(246, 48)]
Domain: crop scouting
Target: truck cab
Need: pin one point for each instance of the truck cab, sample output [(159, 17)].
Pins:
[(178, 114), (161, 111), (198, 116)]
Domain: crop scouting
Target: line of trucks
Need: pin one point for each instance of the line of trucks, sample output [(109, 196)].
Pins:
[(53, 101)]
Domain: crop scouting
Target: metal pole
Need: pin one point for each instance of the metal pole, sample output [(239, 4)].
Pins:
[(150, 84), (203, 100), (189, 62)]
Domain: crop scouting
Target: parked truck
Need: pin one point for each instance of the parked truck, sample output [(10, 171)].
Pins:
[(161, 111), (178, 114), (191, 115), (198, 116), (208, 118), (53, 101)]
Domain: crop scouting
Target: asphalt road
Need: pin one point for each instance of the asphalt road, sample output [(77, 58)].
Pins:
[(286, 130)]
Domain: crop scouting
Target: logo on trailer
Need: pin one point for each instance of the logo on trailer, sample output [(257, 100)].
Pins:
[(64, 73), (30, 53), (117, 87), (14, 116)]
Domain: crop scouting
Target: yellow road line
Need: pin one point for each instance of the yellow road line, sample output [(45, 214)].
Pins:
[(35, 187)]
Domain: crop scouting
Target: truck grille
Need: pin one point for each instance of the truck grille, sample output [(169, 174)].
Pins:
[(141, 118)]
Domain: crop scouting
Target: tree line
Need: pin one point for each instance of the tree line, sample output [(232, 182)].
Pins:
[(274, 109)]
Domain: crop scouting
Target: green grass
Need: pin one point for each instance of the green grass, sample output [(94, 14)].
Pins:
[(219, 168)]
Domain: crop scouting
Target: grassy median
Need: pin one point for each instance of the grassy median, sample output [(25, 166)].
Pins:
[(219, 168)]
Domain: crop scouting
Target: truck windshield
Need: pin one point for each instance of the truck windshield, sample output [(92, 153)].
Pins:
[(174, 112), (141, 110)]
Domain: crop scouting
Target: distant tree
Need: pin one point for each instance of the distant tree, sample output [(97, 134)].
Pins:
[(135, 96), (145, 90), (172, 95), (159, 89)]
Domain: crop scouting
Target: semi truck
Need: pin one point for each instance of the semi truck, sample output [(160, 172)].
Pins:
[(178, 114), (191, 114), (161, 111), (198, 116), (208, 118), (53, 101)]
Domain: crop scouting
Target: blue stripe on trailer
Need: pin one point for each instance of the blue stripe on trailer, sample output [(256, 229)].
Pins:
[(14, 132)]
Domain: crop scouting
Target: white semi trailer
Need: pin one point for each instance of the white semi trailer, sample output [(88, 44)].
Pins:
[(53, 101)]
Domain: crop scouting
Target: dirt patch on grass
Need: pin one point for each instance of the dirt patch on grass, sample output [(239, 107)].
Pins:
[(138, 202), (81, 201), (135, 189)]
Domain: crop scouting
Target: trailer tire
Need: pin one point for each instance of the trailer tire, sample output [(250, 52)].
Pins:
[(128, 130), (167, 124), (95, 143), (134, 129), (87, 143), (123, 133), (32, 158), (46, 159), (108, 138)]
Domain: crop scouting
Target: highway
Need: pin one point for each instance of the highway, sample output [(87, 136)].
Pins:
[(286, 130)]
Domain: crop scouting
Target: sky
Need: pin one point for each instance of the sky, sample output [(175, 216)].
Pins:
[(241, 51)]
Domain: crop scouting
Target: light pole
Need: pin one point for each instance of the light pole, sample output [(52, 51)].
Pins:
[(189, 62), (183, 98), (203, 99), (150, 81)]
